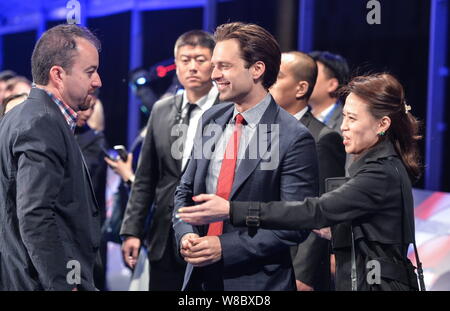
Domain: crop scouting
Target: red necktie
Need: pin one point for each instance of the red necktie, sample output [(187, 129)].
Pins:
[(226, 175)]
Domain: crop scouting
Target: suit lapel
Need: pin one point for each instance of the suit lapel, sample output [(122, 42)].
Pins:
[(217, 101), (247, 165), (306, 119), (207, 153), (172, 121)]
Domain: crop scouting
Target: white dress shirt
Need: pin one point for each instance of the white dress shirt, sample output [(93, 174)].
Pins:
[(203, 104)]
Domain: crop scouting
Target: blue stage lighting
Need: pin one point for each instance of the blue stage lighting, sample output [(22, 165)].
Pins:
[(141, 81)]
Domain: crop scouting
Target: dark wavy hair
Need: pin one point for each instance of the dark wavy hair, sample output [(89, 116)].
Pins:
[(58, 47), (385, 96), (256, 44)]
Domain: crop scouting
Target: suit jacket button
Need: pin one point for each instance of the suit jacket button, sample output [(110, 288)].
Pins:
[(95, 214), (95, 249)]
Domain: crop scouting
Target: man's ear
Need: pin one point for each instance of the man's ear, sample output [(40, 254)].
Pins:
[(333, 84), (56, 75), (301, 89), (257, 70)]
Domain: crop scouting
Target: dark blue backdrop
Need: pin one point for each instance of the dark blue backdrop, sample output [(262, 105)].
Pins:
[(400, 44)]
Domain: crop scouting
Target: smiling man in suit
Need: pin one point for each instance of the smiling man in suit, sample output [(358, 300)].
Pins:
[(260, 153), (295, 83), (165, 152), (49, 218)]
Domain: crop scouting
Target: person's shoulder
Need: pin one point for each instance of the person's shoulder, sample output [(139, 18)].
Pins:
[(37, 128), (377, 167), (91, 135), (167, 102), (217, 110), (98, 134), (289, 124), (26, 112), (313, 121), (391, 165), (381, 176), (328, 134), (313, 124)]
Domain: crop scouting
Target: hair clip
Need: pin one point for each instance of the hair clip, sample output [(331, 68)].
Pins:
[(407, 108)]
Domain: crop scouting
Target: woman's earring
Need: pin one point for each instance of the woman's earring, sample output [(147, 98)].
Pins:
[(382, 133)]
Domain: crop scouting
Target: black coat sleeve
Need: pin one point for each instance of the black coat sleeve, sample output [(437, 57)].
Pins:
[(360, 196)]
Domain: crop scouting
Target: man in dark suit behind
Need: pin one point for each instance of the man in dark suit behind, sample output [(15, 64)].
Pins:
[(332, 73), (49, 218), (295, 83), (162, 160), (273, 158)]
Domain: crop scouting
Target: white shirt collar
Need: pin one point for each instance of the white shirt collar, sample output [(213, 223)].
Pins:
[(211, 96), (301, 113)]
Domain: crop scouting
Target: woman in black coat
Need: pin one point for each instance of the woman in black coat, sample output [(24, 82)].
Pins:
[(372, 211)]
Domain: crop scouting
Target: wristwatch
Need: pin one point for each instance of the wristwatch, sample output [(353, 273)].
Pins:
[(130, 180)]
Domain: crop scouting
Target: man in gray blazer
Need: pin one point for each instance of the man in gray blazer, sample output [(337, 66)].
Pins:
[(165, 152), (49, 217)]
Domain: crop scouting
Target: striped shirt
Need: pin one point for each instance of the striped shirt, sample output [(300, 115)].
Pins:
[(69, 114)]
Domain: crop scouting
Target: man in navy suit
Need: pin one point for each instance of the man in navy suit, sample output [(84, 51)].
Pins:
[(49, 217), (249, 149)]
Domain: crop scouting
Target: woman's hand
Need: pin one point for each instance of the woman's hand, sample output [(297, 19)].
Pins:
[(213, 208)]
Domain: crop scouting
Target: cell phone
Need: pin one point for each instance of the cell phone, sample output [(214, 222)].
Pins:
[(122, 151), (111, 154)]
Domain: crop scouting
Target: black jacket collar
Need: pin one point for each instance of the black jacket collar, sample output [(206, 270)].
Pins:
[(382, 149)]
